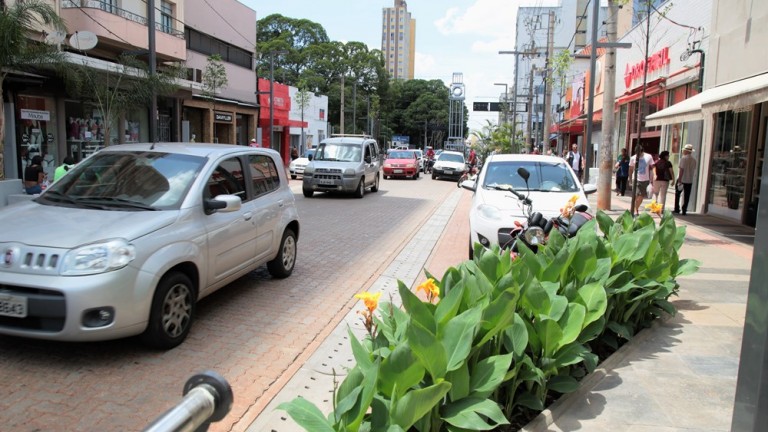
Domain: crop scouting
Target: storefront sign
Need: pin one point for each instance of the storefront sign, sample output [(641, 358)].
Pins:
[(655, 62), (28, 114), (223, 117)]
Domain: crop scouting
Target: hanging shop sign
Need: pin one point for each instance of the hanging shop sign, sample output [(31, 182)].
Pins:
[(28, 114), (656, 61), (221, 117)]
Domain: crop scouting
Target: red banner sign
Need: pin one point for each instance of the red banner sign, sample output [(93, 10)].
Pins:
[(655, 62)]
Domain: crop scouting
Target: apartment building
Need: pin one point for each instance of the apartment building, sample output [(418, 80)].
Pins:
[(398, 40)]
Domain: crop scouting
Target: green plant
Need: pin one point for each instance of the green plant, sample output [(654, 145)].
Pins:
[(507, 333)]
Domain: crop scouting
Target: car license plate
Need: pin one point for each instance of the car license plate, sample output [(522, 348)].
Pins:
[(325, 181), (13, 306), (448, 171), (398, 171)]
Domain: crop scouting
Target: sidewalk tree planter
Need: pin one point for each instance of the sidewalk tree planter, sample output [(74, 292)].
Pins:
[(499, 337)]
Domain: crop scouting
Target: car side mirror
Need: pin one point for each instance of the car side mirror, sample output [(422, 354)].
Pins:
[(310, 157)]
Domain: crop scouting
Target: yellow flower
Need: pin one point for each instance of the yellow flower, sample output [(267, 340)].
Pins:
[(430, 289), (567, 211), (371, 300), (655, 207)]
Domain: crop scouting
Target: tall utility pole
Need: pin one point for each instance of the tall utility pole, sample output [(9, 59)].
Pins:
[(547, 80), (341, 121), (152, 69), (609, 96), (528, 138), (515, 89)]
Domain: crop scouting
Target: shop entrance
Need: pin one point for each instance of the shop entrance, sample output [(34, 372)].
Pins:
[(36, 133)]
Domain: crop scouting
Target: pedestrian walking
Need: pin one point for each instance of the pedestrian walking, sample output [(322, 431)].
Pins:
[(664, 174), (643, 162), (576, 161), (685, 172), (622, 172)]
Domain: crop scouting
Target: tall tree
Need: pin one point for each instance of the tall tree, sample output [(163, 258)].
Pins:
[(18, 52), (214, 79)]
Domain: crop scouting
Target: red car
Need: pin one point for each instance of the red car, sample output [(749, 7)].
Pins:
[(401, 163)]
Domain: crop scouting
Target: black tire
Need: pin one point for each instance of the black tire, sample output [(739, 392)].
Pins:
[(416, 177), (433, 176), (308, 192), (172, 312), (360, 191), (375, 187), (293, 176), (282, 266)]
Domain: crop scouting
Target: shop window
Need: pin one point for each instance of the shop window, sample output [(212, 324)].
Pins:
[(36, 129), (730, 148)]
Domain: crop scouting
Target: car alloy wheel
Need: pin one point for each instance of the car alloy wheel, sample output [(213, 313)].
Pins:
[(375, 187), (360, 188), (172, 313), (282, 265)]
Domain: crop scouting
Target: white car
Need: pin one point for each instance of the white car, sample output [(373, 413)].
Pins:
[(493, 212), (449, 164), (296, 167)]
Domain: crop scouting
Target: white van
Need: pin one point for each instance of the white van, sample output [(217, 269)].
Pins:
[(348, 163)]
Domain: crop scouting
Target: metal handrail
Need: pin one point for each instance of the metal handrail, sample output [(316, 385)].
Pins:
[(207, 398), (114, 10)]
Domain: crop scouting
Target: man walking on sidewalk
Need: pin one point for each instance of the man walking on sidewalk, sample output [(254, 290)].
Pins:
[(643, 163), (684, 184)]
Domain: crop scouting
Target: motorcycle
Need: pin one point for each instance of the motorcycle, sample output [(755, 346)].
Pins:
[(535, 231)]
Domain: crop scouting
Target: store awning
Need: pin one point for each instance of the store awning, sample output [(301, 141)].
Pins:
[(727, 97)]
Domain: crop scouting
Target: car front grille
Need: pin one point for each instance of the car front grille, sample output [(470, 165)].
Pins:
[(328, 171)]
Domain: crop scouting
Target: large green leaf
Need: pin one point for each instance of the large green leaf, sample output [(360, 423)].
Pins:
[(633, 246), (488, 265), (569, 355), (417, 309), (401, 369), (516, 340), (471, 414), (594, 299), (348, 391), (428, 349), (449, 305), (458, 335), (687, 266), (354, 416), (604, 222), (362, 356), (459, 380), (536, 300), (416, 403), (488, 373), (571, 323), (558, 306), (498, 315), (549, 333), (306, 415), (529, 400)]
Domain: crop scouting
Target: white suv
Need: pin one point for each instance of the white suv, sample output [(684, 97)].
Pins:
[(132, 237), (343, 164)]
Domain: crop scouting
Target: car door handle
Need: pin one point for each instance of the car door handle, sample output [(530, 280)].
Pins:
[(280, 203), (247, 216)]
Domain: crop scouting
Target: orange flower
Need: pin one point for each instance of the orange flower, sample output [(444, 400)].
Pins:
[(371, 300), (567, 211), (429, 288)]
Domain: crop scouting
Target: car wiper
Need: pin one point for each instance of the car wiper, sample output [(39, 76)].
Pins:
[(57, 196), (115, 202)]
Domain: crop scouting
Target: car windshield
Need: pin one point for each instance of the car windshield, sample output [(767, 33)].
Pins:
[(309, 153), (339, 152), (544, 176), (400, 155), (451, 157), (126, 181)]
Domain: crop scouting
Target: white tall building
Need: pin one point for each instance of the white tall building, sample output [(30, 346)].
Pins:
[(398, 40)]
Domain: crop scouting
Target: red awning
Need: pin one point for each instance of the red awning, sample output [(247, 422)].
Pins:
[(575, 126), (652, 88)]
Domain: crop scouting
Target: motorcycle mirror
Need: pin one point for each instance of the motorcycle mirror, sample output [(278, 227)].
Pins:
[(522, 172)]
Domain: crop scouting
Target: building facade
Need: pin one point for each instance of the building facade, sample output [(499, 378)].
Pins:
[(398, 40), (314, 117)]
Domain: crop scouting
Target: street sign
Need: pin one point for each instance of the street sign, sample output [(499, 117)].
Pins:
[(480, 106)]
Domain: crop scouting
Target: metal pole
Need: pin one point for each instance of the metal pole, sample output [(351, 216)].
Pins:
[(514, 104), (152, 70), (271, 99), (548, 79), (591, 100), (354, 107), (609, 95), (530, 107)]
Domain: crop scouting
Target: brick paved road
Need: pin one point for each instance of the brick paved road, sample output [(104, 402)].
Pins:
[(251, 332)]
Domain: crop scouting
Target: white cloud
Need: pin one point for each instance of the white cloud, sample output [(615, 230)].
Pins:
[(484, 17)]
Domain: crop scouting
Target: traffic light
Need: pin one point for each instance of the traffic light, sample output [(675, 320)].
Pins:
[(480, 106)]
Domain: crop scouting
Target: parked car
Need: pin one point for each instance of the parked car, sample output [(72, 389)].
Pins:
[(493, 212), (347, 164), (420, 157), (296, 167), (401, 163), (449, 164), (132, 237)]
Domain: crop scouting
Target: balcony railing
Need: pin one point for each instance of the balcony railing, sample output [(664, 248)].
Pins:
[(107, 6)]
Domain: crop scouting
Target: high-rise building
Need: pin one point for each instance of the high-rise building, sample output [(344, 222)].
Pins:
[(398, 40)]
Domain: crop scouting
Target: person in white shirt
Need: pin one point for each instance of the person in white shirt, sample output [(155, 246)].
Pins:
[(576, 161), (685, 171), (644, 164)]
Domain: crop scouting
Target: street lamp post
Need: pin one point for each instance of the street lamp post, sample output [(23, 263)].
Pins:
[(504, 110)]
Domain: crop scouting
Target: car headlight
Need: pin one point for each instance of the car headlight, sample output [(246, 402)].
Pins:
[(98, 258), (308, 170), (489, 211), (386, 165), (534, 236), (349, 172)]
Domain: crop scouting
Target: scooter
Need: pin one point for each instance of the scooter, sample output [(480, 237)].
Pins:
[(535, 231)]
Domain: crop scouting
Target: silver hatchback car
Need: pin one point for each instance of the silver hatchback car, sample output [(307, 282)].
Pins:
[(132, 237)]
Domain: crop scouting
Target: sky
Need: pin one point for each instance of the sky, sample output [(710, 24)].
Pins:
[(462, 36)]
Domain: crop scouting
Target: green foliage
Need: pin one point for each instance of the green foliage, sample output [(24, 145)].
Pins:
[(507, 331)]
